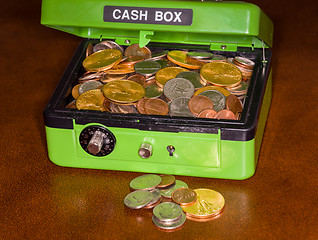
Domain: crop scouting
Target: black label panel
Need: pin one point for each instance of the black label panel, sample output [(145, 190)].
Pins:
[(165, 16)]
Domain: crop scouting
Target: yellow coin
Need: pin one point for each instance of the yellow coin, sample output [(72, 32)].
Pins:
[(102, 60), (221, 73), (91, 100), (123, 91), (220, 89), (75, 93), (209, 203), (165, 74), (180, 58)]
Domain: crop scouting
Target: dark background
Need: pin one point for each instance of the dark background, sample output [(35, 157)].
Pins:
[(39, 200)]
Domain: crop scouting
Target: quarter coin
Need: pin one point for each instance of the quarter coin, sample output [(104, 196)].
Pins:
[(147, 67), (145, 182), (167, 211), (179, 107), (138, 199), (178, 87)]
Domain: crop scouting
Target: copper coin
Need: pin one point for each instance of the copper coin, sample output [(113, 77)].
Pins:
[(198, 103), (166, 181), (225, 114), (205, 219), (184, 196), (127, 108), (138, 79), (75, 92), (135, 53), (207, 113), (156, 106), (234, 104), (106, 105), (141, 105), (89, 49)]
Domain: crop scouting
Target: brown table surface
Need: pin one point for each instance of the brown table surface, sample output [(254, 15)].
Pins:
[(39, 200)]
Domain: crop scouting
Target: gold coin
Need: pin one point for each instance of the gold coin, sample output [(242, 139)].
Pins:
[(180, 58), (221, 73), (123, 91), (91, 100), (209, 203), (121, 69), (165, 74), (75, 92), (102, 60), (207, 88)]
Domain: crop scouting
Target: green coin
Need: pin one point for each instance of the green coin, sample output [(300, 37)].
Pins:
[(147, 67), (193, 77), (153, 91), (200, 55)]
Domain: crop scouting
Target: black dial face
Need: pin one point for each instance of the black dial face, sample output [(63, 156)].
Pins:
[(107, 142)]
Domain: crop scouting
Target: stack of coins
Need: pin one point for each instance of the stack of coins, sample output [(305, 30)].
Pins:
[(173, 201), (140, 81)]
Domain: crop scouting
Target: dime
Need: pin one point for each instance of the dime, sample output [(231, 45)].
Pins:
[(75, 92), (138, 199), (178, 87), (199, 103), (217, 98), (165, 74), (91, 100), (184, 196), (200, 55), (123, 91), (135, 53), (193, 77), (179, 107), (86, 86), (145, 182), (221, 73), (166, 181), (138, 79), (167, 192), (147, 67), (225, 114), (207, 113), (102, 60), (234, 104), (153, 91), (156, 106), (170, 225), (180, 58), (167, 212)]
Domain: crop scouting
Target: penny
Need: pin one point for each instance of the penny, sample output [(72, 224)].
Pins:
[(147, 67), (165, 74), (106, 105), (207, 113), (216, 97), (89, 49), (199, 103), (145, 182), (193, 77), (114, 108), (123, 91), (170, 225), (86, 86), (179, 107), (205, 219), (180, 58), (141, 105), (166, 180), (234, 104), (127, 109), (91, 100), (138, 199), (156, 106), (221, 73), (102, 60), (184, 196), (200, 55), (75, 92), (153, 91), (178, 87), (138, 79), (225, 114), (135, 53), (245, 62), (167, 212), (90, 76)]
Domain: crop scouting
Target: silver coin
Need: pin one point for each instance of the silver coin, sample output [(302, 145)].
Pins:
[(245, 61), (153, 91), (147, 67), (145, 182), (170, 225), (167, 212), (218, 57), (217, 98), (138, 199), (86, 86), (114, 45), (156, 195), (100, 46), (179, 107), (193, 77), (200, 55), (178, 184), (178, 87)]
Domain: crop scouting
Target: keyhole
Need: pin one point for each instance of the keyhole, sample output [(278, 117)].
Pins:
[(171, 149)]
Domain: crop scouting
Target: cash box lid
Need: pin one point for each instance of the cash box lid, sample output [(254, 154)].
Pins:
[(139, 21)]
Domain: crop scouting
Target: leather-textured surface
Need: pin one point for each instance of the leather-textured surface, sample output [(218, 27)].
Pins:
[(39, 200)]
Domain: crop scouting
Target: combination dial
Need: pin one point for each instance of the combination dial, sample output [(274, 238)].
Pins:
[(97, 141)]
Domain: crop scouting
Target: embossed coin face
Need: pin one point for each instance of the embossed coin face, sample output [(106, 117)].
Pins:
[(198, 103), (221, 73), (167, 211), (184, 196), (153, 91), (165, 74), (123, 91), (217, 98), (135, 53), (178, 87), (138, 199), (156, 106), (86, 86), (91, 100), (179, 107), (102, 60), (178, 184), (209, 203), (170, 225), (145, 182)]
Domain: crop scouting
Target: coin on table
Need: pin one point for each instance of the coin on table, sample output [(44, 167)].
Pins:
[(123, 91), (179, 107), (200, 55), (113, 45), (156, 198), (199, 103), (178, 184), (194, 78), (180, 58), (91, 100), (138, 199), (165, 74), (138, 79), (167, 211), (219, 89), (166, 180), (75, 92), (136, 53), (209, 203), (156, 106), (207, 113), (178, 87), (153, 91), (147, 67), (225, 114), (102, 60), (234, 104), (216, 97), (145, 182), (89, 49), (184, 196), (86, 86), (170, 225), (221, 73)]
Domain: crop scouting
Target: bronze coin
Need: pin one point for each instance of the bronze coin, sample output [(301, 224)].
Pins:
[(156, 106), (166, 181), (135, 53), (121, 69), (89, 49), (184, 196), (234, 104), (198, 103), (207, 113), (225, 114), (71, 105), (106, 105), (138, 79), (141, 105), (75, 92)]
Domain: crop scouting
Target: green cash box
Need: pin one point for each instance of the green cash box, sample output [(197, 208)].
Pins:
[(189, 146)]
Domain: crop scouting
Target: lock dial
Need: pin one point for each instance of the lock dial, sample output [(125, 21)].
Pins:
[(97, 141)]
